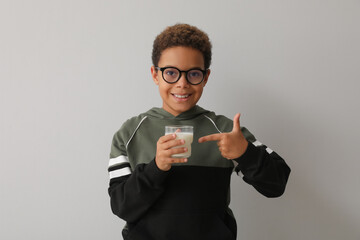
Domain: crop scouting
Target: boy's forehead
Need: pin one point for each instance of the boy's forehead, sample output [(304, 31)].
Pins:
[(182, 57)]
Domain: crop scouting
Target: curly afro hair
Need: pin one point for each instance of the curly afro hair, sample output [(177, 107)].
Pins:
[(182, 35)]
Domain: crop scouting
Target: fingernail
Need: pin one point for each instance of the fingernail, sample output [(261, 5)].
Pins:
[(185, 160)]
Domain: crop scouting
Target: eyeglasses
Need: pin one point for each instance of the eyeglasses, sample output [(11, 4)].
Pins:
[(172, 74)]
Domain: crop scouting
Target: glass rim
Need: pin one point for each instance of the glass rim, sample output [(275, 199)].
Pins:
[(183, 128)]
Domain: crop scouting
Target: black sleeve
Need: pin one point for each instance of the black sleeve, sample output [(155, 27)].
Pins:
[(264, 169), (132, 190), (132, 195)]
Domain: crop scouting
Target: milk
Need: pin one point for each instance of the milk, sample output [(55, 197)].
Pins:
[(182, 132), (188, 138)]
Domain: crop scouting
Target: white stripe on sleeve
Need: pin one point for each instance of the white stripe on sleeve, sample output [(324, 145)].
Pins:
[(257, 143), (118, 160), (269, 150), (120, 172)]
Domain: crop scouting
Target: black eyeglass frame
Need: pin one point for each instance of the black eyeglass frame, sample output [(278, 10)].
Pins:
[(186, 74)]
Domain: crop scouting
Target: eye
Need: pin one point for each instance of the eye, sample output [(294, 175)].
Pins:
[(195, 74), (171, 72)]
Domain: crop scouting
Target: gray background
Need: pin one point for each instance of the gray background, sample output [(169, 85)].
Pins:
[(72, 71)]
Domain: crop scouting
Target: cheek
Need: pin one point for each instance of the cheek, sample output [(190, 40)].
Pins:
[(199, 91), (164, 89)]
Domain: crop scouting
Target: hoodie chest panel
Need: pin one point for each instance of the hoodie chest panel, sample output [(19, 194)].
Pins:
[(142, 148)]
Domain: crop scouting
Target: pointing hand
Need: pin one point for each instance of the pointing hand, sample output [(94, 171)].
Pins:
[(232, 144)]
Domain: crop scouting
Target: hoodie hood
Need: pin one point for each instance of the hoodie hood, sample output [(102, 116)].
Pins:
[(162, 114)]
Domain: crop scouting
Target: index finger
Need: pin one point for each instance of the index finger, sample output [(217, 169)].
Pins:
[(167, 137), (212, 137)]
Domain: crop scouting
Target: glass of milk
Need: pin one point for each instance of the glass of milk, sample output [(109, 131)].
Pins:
[(182, 132)]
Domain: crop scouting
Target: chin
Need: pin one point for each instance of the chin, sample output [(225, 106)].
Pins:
[(185, 108)]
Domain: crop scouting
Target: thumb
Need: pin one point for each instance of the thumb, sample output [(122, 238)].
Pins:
[(236, 124)]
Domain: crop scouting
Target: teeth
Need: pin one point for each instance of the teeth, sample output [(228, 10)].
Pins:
[(181, 96)]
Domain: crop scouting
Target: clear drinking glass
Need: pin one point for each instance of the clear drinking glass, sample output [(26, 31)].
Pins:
[(182, 132)]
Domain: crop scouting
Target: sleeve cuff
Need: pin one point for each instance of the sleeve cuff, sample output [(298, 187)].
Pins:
[(157, 175)]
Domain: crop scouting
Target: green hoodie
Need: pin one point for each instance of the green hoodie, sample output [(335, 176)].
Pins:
[(191, 200)]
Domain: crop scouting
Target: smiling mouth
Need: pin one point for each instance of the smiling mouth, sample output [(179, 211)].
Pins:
[(181, 96)]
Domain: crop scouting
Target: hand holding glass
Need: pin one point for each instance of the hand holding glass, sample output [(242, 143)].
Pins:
[(182, 132)]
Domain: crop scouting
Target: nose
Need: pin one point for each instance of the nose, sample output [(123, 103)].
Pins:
[(183, 83)]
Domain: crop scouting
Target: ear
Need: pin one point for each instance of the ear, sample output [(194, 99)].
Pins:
[(154, 74), (206, 77)]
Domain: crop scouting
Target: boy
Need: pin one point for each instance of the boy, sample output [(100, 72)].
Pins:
[(161, 197)]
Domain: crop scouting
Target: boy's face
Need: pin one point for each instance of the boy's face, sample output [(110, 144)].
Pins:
[(180, 96)]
